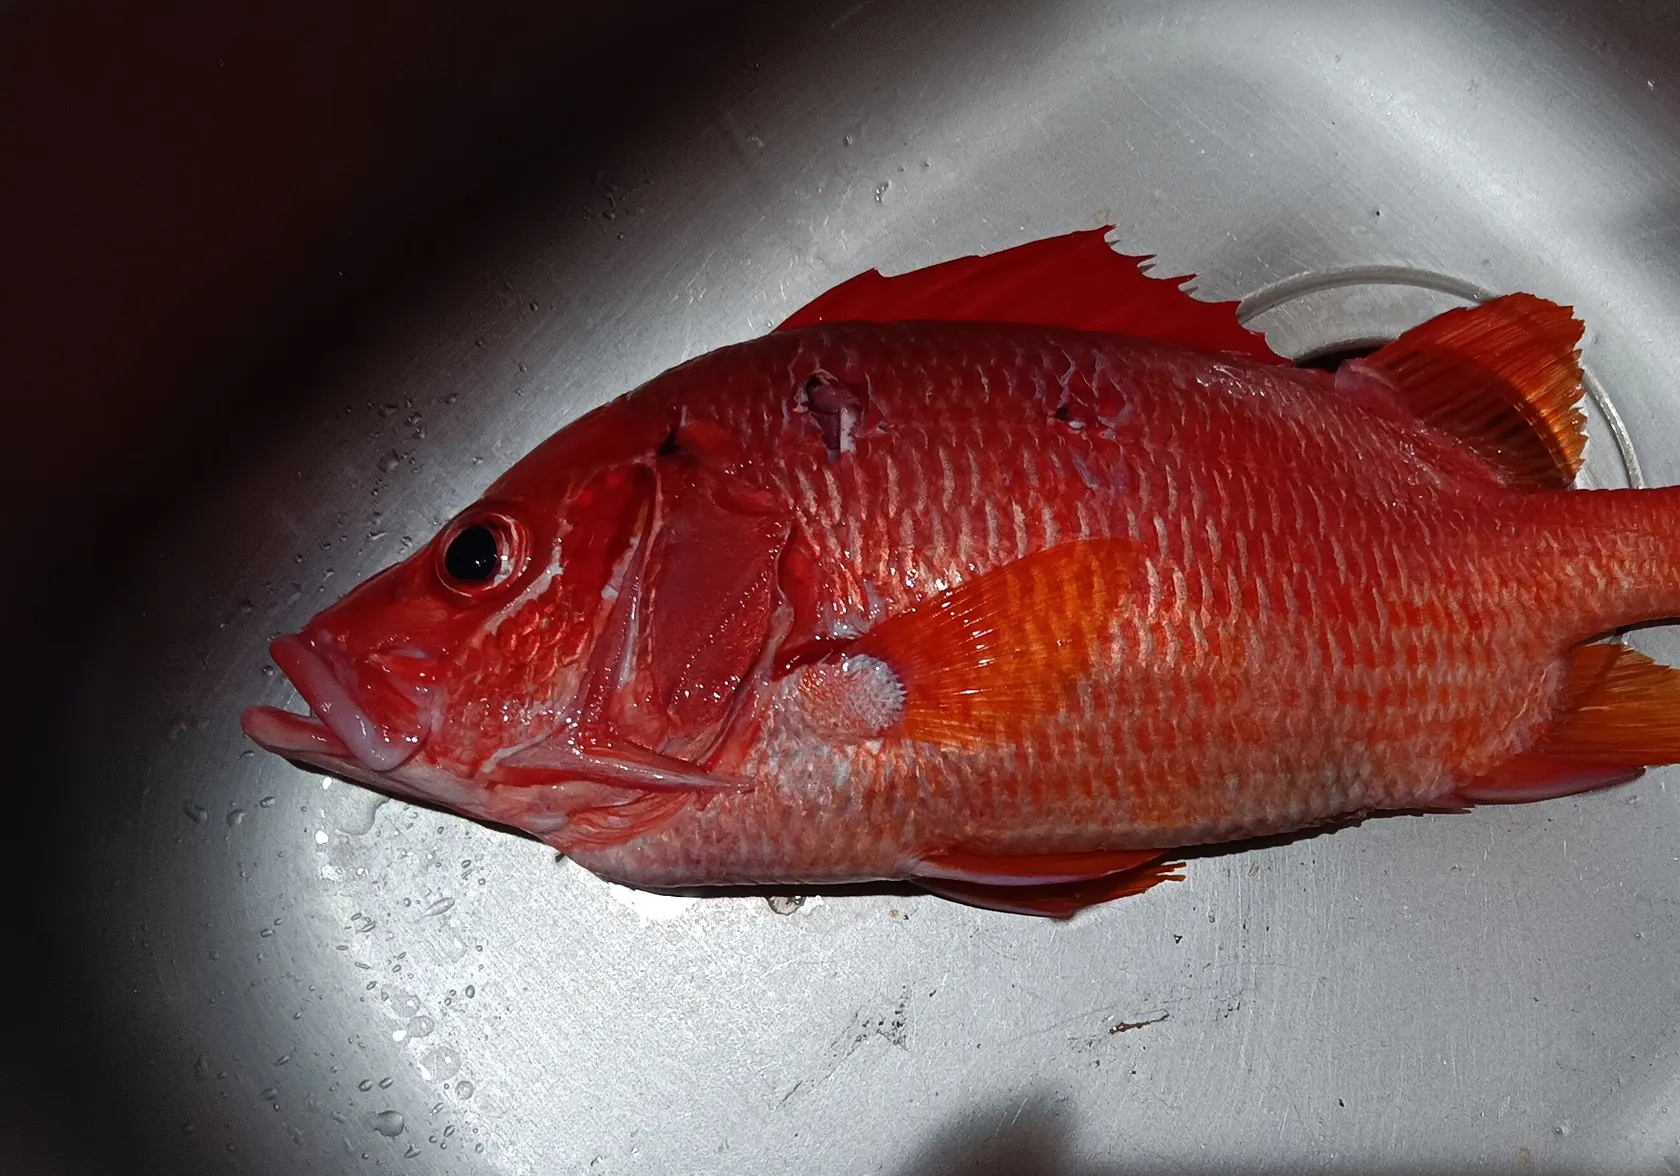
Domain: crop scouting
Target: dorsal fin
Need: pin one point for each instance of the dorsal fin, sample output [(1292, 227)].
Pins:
[(1074, 281), (1504, 377)]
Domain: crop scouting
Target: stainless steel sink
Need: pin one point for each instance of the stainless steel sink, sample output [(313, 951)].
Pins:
[(324, 981)]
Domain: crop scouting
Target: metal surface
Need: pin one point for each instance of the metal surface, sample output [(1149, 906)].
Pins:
[(325, 981)]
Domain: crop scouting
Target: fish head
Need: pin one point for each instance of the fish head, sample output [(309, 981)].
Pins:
[(484, 642)]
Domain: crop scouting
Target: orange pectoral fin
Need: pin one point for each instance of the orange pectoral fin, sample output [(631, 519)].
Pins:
[(982, 661), (1620, 715), (1074, 281)]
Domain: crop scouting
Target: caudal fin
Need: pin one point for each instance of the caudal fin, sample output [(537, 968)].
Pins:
[(1620, 715)]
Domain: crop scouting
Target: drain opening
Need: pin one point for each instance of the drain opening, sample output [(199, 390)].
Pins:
[(1327, 317), (1328, 359)]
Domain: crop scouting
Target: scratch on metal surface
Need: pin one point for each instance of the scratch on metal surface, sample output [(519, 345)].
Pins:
[(1128, 1026), (890, 1026)]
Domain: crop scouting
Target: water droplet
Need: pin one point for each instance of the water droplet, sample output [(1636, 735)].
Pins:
[(421, 1026), (846, 142), (269, 1093), (389, 408), (440, 1065), (235, 817), (881, 190), (266, 802), (452, 398), (266, 932), (385, 1083), (411, 1152), (358, 813), (365, 1085), (267, 671), (533, 304), (464, 1089), (282, 1059), (440, 906), (785, 904), (389, 461), (195, 811), (388, 1123), (448, 1131), (471, 992)]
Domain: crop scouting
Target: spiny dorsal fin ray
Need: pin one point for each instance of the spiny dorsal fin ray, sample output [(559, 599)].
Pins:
[(1074, 281)]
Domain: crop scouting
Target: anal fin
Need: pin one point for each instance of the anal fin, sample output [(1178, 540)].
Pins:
[(1038, 869), (1620, 715), (1057, 900)]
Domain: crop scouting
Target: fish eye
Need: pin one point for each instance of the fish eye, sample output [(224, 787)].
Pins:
[(472, 556), (483, 550)]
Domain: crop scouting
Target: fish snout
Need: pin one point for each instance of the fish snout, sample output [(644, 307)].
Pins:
[(376, 704)]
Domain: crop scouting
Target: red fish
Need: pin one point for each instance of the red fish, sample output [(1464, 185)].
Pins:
[(1010, 577)]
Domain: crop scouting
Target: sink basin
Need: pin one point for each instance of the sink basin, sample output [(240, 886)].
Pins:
[(290, 974)]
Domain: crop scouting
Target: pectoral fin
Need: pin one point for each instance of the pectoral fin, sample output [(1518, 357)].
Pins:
[(980, 662)]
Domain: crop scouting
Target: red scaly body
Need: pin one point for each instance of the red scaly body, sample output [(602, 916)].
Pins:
[(1012, 608), (1332, 614)]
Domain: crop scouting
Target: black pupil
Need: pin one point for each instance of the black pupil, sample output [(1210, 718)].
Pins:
[(471, 556)]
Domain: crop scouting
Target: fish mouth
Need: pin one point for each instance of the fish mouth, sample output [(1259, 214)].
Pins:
[(363, 720)]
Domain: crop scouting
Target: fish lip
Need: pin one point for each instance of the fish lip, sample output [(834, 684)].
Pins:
[(291, 735), (361, 737)]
